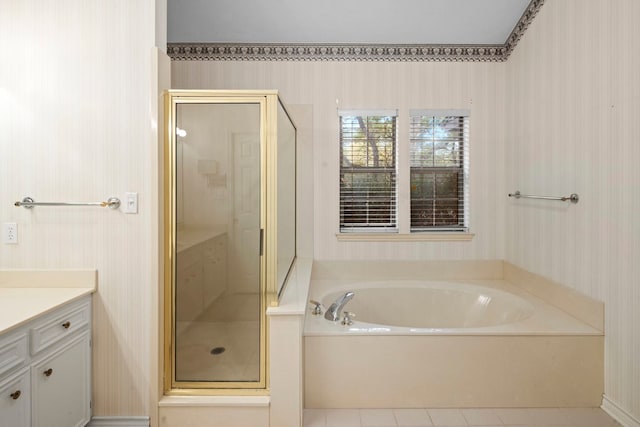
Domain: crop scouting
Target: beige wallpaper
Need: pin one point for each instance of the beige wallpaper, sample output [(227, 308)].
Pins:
[(403, 86), (573, 103), (560, 116), (77, 125)]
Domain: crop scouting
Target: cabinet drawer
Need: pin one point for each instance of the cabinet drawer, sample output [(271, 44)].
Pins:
[(13, 353), (59, 326)]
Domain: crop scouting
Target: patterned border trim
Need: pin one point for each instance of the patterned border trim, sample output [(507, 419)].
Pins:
[(353, 52), (313, 52), (518, 31)]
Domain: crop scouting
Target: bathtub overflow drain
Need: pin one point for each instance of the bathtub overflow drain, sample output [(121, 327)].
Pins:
[(217, 350)]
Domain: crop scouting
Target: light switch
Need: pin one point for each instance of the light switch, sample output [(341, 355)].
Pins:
[(131, 203)]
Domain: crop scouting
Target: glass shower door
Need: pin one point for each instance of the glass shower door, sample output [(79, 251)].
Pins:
[(230, 233), (218, 315)]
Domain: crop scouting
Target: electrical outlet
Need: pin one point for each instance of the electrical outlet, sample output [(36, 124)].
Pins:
[(10, 233)]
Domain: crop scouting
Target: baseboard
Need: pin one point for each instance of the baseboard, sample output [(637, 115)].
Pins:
[(119, 422), (619, 414)]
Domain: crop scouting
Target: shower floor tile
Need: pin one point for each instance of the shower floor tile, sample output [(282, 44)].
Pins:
[(463, 417), (218, 351), (222, 344)]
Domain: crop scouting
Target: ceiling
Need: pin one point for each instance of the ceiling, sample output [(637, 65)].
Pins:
[(459, 22)]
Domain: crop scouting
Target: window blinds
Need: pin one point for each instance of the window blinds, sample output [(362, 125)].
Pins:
[(439, 144), (368, 150)]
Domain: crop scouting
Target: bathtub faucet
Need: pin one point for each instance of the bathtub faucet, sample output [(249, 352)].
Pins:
[(335, 310)]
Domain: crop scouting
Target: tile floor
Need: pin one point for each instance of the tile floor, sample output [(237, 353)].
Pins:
[(543, 417)]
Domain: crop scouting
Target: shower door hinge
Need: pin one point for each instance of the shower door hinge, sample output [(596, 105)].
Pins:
[(261, 241)]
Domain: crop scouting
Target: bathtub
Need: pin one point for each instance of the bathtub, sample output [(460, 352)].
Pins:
[(448, 343), (425, 307)]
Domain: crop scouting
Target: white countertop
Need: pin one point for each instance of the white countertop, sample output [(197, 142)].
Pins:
[(188, 237), (26, 294)]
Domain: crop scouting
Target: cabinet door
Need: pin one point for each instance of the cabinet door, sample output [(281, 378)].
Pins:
[(15, 408), (61, 386), (189, 296), (215, 267)]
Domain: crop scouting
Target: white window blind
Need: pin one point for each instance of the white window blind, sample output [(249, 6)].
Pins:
[(438, 156), (368, 150)]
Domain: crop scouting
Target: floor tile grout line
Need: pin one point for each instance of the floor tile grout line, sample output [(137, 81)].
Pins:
[(429, 416), (574, 421), (487, 410)]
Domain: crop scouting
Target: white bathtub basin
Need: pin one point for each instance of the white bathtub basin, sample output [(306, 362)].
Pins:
[(416, 304)]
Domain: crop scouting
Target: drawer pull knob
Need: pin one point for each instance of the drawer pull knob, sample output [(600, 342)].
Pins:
[(16, 395), (66, 324), (48, 372)]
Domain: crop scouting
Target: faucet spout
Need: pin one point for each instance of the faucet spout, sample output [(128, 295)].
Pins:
[(335, 310)]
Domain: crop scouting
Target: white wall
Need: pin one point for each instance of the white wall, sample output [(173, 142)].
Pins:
[(573, 103), (77, 113), (475, 86)]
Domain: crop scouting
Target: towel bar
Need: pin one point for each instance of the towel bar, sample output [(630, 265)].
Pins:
[(29, 203)]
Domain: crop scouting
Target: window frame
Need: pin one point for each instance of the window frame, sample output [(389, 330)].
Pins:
[(403, 230), (345, 210), (461, 171)]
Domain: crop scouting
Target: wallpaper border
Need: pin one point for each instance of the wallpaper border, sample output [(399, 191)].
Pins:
[(354, 52)]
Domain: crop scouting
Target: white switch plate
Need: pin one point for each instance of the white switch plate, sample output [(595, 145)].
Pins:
[(131, 203), (10, 233)]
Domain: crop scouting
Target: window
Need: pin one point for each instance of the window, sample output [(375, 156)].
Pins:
[(438, 165), (368, 171), (432, 172)]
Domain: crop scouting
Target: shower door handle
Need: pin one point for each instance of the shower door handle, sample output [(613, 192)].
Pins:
[(261, 241)]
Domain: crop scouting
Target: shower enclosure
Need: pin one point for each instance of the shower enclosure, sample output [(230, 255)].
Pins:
[(230, 220)]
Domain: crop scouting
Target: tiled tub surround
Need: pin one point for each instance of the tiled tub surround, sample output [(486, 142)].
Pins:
[(547, 359)]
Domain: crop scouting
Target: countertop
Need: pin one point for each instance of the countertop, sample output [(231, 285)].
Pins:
[(26, 294), (188, 237)]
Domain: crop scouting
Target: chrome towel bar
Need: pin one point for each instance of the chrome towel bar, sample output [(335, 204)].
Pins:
[(29, 203), (573, 198)]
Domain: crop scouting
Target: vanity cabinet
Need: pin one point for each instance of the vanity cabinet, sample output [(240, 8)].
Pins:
[(215, 269), (201, 276), (45, 369)]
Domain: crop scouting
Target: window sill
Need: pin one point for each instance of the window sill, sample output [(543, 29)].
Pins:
[(413, 237)]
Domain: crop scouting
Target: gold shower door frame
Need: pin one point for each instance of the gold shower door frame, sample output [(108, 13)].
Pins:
[(268, 102)]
